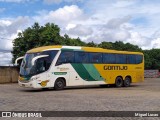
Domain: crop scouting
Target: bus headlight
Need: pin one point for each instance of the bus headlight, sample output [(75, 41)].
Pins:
[(34, 78)]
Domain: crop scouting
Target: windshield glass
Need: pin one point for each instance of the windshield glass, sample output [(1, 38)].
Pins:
[(41, 64)]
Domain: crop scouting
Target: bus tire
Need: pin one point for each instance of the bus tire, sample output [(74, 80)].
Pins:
[(59, 84), (127, 82), (119, 82)]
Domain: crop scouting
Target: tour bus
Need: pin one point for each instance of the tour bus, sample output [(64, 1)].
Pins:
[(61, 66)]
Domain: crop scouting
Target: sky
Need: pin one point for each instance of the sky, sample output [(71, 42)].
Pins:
[(133, 21)]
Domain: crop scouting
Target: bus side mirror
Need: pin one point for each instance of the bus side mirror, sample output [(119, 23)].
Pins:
[(37, 57), (18, 59)]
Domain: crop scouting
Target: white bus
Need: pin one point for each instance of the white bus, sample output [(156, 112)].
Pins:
[(60, 66)]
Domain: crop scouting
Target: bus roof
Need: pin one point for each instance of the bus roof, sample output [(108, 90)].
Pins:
[(79, 48), (44, 48)]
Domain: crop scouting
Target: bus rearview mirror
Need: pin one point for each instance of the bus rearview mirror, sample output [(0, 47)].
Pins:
[(38, 57), (18, 59)]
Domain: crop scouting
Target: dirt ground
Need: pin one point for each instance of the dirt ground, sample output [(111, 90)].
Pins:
[(143, 96)]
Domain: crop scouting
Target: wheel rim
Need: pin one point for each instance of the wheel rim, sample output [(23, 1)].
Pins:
[(59, 84), (127, 81), (119, 82)]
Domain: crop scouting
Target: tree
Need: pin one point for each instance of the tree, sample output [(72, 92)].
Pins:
[(152, 58), (91, 44), (119, 45), (35, 36), (106, 45)]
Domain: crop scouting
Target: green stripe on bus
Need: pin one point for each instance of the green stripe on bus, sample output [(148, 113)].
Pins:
[(87, 72), (93, 72), (83, 73)]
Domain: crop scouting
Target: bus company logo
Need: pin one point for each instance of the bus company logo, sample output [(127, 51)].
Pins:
[(115, 67), (44, 83), (62, 69)]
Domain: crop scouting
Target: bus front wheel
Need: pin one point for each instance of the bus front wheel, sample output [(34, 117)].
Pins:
[(119, 82), (59, 84), (127, 82)]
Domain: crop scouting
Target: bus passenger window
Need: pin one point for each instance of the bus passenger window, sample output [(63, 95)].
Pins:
[(121, 59), (95, 57), (81, 57), (65, 57), (109, 58), (131, 59), (139, 59)]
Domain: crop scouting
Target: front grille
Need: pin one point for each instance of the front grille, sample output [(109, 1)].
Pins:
[(24, 81)]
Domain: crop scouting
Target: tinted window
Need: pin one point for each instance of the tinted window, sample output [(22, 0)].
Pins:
[(41, 65), (131, 59), (139, 59), (95, 57), (121, 59), (109, 58), (49, 59), (81, 57), (65, 57)]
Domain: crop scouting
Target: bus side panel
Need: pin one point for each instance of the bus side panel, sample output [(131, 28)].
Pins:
[(60, 71), (111, 71), (139, 72), (88, 73), (67, 72)]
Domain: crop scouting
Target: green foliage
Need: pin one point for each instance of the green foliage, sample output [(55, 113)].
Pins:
[(91, 44), (49, 34), (152, 58), (106, 45), (119, 45)]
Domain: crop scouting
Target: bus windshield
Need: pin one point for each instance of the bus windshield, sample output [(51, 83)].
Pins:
[(41, 65)]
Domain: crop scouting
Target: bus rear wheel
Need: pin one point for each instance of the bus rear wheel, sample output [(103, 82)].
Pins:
[(127, 82), (59, 84), (119, 82)]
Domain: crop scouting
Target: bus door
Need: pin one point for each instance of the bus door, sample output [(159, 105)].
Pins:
[(41, 68)]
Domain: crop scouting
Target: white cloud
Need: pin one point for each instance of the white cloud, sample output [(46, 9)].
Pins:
[(155, 43), (9, 29), (61, 16), (5, 58), (117, 22), (65, 14), (80, 30), (103, 25), (5, 23)]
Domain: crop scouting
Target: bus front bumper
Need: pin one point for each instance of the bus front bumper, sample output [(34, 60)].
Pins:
[(26, 84)]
